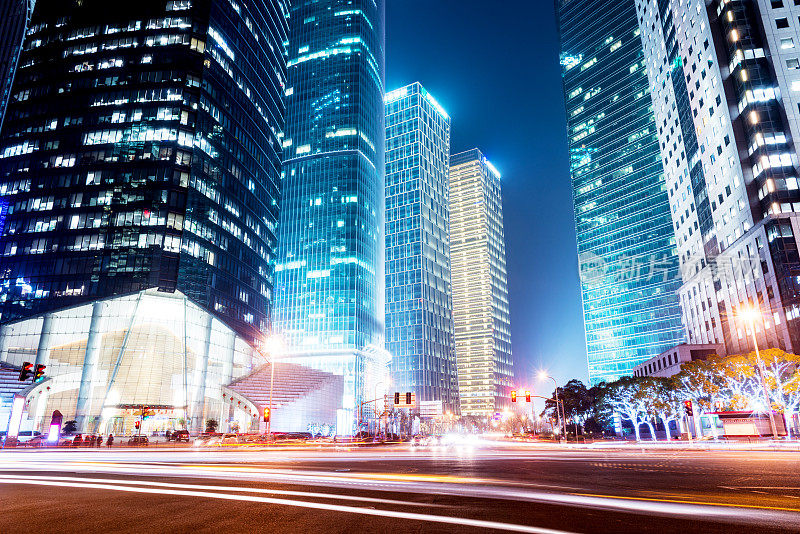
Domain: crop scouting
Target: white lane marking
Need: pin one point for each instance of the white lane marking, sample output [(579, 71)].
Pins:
[(314, 495), (411, 516)]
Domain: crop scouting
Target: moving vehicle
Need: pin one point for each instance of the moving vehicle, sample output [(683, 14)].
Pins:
[(178, 435), (139, 441)]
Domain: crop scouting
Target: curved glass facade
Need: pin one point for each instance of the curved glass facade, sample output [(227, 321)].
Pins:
[(626, 248), (141, 149), (108, 359)]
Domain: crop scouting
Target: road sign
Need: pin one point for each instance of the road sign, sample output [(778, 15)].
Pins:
[(430, 408)]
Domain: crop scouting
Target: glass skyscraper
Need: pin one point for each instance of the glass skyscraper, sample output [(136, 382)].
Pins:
[(14, 16), (419, 320), (481, 313), (626, 248), (329, 271), (141, 157)]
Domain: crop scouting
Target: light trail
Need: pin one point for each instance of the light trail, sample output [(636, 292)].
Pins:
[(308, 494), (411, 516), (362, 481)]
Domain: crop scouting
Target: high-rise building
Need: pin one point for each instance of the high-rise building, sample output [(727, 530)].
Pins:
[(14, 17), (725, 80), (329, 271), (626, 248), (419, 320), (141, 160), (480, 288)]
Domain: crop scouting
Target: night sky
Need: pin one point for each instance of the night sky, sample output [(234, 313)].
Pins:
[(494, 67)]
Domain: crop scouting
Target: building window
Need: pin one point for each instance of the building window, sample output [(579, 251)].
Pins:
[(782, 23)]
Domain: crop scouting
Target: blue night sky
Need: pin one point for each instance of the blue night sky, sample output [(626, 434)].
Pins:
[(494, 67)]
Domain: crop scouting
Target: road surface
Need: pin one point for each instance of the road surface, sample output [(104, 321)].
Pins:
[(477, 487)]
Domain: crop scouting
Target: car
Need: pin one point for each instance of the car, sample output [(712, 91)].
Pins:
[(178, 435), (203, 439), (37, 441), (138, 441), (217, 440), (229, 439), (27, 435)]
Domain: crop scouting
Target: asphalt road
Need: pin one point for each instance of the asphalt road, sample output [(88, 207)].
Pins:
[(476, 488)]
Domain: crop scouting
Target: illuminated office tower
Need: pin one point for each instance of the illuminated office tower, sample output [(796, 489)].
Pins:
[(141, 158), (626, 248), (419, 320), (329, 272), (726, 95), (14, 17), (480, 289)]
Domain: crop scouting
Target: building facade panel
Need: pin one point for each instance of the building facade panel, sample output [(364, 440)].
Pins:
[(138, 152), (14, 17), (481, 314), (733, 183), (140, 160), (329, 264), (626, 250), (419, 321)]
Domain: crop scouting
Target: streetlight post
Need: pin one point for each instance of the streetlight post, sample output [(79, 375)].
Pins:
[(750, 315), (558, 412)]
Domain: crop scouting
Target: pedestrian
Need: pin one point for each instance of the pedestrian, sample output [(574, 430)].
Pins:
[(110, 440), (99, 441), (78, 441)]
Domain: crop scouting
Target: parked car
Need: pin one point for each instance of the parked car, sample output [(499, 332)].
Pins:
[(37, 441), (27, 435), (139, 441), (178, 435)]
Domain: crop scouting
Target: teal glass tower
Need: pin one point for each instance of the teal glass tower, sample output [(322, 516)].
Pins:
[(329, 270), (419, 320), (626, 247)]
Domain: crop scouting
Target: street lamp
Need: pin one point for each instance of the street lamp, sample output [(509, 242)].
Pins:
[(274, 346), (543, 376), (750, 314)]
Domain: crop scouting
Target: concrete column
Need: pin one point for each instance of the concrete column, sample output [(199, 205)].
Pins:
[(43, 350), (82, 412), (199, 404), (5, 338), (228, 373)]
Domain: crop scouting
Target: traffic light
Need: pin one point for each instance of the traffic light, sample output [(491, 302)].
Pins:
[(687, 407), (397, 397), (136, 424), (266, 415), (38, 373), (408, 398), (25, 372), (527, 396), (513, 396)]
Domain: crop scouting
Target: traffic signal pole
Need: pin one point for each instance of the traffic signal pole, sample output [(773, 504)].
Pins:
[(271, 388)]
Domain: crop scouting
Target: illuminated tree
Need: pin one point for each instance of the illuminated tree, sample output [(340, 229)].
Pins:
[(666, 402), (627, 398)]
